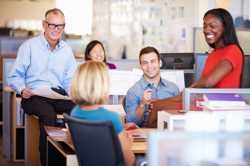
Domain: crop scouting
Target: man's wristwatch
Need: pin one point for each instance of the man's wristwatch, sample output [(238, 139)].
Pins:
[(22, 92)]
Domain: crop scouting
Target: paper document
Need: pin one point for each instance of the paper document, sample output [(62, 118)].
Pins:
[(224, 100), (138, 135), (49, 93), (225, 107)]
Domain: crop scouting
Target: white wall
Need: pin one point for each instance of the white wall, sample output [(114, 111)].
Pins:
[(23, 10), (78, 15), (166, 25)]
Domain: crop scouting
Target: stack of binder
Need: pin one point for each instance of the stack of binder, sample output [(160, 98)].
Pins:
[(224, 101)]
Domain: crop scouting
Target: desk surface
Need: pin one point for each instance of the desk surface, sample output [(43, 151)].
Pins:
[(139, 147), (63, 135)]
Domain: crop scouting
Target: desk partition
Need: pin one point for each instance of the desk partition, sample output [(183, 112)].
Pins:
[(210, 110), (203, 149), (197, 99), (209, 121)]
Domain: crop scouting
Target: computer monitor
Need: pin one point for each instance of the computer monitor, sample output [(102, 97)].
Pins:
[(201, 149), (200, 60), (246, 73), (177, 60)]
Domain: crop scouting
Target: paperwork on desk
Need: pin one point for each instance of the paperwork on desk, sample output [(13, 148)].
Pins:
[(138, 135), (224, 99), (19, 113), (49, 93), (58, 134), (218, 108), (220, 101)]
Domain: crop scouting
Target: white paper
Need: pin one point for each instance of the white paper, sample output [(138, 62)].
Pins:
[(19, 112), (49, 93)]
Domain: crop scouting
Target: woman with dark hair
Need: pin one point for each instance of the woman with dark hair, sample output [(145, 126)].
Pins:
[(224, 65), (95, 51)]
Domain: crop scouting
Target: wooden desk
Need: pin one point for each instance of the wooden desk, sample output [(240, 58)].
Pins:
[(59, 153), (59, 141), (139, 147)]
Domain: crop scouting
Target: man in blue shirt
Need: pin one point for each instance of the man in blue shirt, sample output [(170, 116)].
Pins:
[(150, 87), (44, 61)]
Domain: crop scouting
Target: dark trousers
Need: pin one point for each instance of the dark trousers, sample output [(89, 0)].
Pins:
[(46, 109)]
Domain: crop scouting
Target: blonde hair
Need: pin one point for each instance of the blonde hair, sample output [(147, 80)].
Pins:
[(90, 84)]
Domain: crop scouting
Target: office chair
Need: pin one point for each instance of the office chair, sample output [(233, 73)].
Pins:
[(124, 103), (96, 143)]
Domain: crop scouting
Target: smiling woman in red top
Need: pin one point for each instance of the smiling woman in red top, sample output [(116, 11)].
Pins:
[(224, 65)]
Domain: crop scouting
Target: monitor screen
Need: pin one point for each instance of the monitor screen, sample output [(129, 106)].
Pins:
[(177, 60), (200, 60), (246, 73)]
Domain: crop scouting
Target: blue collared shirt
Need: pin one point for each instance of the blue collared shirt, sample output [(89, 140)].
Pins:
[(134, 96), (37, 65)]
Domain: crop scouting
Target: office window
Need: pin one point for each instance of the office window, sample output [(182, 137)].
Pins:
[(78, 14)]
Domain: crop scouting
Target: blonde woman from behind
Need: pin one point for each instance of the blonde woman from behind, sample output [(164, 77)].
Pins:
[(89, 91)]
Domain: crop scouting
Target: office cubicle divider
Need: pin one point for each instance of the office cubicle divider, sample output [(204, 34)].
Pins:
[(199, 148), (193, 98), (200, 59)]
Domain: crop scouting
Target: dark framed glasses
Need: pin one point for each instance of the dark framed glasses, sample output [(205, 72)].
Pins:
[(55, 26)]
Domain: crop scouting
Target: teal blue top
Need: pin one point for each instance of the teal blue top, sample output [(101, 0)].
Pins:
[(99, 114)]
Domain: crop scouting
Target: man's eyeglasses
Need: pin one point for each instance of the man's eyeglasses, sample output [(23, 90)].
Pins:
[(55, 26)]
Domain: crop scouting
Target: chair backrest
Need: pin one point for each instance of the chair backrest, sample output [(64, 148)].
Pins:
[(124, 103), (96, 143)]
